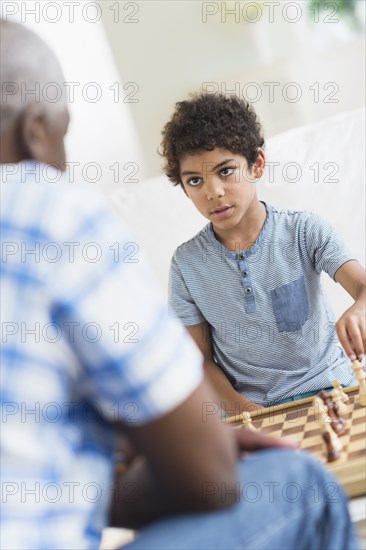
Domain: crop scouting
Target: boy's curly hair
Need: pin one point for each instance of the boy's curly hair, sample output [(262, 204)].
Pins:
[(206, 122)]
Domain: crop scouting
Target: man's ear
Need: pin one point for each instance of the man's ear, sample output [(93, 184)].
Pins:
[(259, 164), (32, 134)]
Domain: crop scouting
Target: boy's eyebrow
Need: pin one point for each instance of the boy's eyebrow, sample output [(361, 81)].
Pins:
[(188, 173)]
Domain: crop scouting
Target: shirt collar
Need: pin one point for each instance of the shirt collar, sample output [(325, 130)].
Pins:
[(267, 226)]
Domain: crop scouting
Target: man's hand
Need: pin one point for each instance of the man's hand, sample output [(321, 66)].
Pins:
[(250, 441), (179, 453)]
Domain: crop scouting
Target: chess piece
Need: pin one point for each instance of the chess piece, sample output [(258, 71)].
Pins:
[(247, 421), (333, 451), (360, 375), (336, 422), (338, 386), (337, 399), (320, 415), (332, 441)]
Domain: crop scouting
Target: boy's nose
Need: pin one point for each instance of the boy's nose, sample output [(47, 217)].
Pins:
[(214, 188)]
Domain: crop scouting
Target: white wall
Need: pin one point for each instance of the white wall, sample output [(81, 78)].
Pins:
[(168, 50), (102, 132), (156, 52)]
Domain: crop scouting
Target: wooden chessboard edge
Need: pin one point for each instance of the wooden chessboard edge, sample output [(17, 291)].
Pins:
[(282, 407), (350, 388), (351, 476)]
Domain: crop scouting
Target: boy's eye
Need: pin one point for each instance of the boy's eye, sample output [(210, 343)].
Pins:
[(194, 181), (227, 171)]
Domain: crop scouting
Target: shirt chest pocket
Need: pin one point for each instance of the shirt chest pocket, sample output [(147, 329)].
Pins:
[(290, 305)]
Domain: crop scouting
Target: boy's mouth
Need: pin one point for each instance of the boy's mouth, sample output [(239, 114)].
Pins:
[(222, 211)]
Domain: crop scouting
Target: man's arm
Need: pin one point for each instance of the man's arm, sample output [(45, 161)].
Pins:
[(183, 456), (351, 327), (186, 463), (228, 398)]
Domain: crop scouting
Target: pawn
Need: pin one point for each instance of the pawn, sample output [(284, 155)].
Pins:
[(338, 386), (247, 421), (357, 367), (360, 375), (320, 415), (337, 399)]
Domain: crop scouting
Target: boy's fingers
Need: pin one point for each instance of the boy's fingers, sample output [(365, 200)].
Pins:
[(362, 326), (249, 440), (345, 341), (354, 336)]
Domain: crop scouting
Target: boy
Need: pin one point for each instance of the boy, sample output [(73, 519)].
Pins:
[(247, 286)]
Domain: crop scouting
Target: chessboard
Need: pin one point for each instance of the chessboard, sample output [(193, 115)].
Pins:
[(299, 421)]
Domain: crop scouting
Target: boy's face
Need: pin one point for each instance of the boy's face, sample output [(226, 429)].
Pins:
[(222, 187)]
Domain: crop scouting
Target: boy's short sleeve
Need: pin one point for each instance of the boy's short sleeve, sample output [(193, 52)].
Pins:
[(325, 247), (180, 298)]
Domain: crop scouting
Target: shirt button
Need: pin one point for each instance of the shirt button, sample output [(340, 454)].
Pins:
[(244, 273), (248, 290)]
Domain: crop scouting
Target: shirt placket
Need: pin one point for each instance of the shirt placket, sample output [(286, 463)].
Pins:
[(249, 300)]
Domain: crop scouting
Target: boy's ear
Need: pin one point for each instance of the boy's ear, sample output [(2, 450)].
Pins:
[(259, 164), (32, 132)]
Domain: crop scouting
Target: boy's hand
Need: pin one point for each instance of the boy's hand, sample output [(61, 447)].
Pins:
[(351, 331), (351, 327)]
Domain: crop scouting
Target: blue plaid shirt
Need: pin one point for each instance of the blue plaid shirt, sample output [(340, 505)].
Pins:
[(86, 341)]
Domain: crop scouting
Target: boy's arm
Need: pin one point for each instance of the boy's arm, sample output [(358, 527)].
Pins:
[(228, 398), (351, 327)]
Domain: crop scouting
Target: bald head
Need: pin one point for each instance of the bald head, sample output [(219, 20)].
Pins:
[(33, 107), (29, 73)]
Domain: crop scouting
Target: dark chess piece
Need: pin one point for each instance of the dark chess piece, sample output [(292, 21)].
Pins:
[(336, 421), (332, 453)]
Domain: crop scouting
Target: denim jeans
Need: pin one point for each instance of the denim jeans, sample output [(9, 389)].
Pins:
[(287, 501)]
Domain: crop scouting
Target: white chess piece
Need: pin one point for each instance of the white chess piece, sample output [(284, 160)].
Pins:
[(361, 378), (247, 421), (338, 386), (320, 412), (337, 398)]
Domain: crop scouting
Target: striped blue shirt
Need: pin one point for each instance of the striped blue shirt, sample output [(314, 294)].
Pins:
[(272, 327), (86, 341)]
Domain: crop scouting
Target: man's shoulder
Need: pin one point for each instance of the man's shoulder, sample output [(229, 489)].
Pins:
[(43, 181), (41, 197)]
